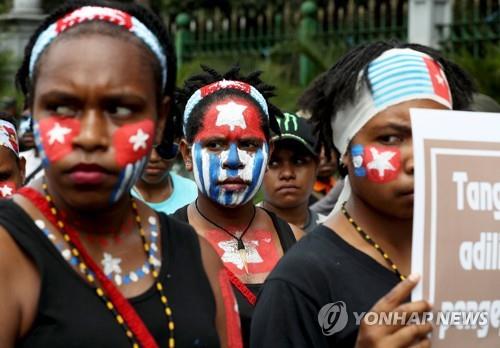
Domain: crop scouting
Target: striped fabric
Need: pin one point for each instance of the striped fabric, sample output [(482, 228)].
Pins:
[(395, 76)]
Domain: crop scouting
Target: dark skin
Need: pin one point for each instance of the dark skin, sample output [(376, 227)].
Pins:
[(289, 181), (11, 167), (232, 216), (155, 185), (385, 212), (68, 85)]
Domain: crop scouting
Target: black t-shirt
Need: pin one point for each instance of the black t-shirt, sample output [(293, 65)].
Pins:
[(70, 314), (321, 268)]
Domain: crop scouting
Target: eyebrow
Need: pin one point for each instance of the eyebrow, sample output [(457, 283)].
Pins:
[(402, 128)]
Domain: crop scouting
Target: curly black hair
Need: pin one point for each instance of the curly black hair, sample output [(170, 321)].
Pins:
[(335, 88), (27, 84), (209, 76)]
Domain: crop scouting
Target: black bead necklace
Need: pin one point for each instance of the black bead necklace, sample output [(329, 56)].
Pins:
[(370, 241), (241, 245)]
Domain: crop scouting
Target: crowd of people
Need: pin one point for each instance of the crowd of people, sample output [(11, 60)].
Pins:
[(278, 212)]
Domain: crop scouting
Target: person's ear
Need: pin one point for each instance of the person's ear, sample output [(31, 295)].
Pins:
[(185, 150)]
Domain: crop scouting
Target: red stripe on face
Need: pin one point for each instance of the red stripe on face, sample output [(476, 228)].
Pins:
[(232, 118), (382, 163), (133, 141), (57, 134), (7, 189)]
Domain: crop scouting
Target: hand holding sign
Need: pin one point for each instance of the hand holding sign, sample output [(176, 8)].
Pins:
[(397, 333)]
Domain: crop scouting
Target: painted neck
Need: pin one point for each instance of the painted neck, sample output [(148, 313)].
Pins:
[(223, 215), (95, 222)]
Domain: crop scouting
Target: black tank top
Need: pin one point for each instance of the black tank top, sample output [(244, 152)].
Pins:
[(287, 240), (70, 314)]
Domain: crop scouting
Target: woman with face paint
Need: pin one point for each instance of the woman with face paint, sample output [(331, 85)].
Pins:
[(226, 120), (359, 260), (11, 164), (82, 263)]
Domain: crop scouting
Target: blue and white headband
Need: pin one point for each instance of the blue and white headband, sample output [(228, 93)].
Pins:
[(97, 13), (216, 86), (396, 76)]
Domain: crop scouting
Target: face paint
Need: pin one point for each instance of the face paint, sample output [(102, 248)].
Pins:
[(380, 164), (132, 145), (261, 253), (54, 137), (7, 189), (357, 152), (230, 177)]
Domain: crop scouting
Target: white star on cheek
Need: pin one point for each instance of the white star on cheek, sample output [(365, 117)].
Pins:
[(138, 140), (5, 191), (58, 133), (231, 114), (381, 161)]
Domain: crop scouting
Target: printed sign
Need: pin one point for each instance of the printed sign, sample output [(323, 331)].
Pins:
[(456, 229)]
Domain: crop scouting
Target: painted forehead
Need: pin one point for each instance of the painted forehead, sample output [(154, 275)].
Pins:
[(231, 117)]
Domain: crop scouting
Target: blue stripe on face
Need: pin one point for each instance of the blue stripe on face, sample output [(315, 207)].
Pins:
[(258, 162), (233, 160), (228, 198), (38, 143), (215, 168), (199, 165)]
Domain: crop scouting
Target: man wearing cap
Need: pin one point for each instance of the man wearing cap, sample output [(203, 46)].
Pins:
[(292, 170)]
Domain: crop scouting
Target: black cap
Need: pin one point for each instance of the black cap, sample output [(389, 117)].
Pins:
[(299, 129)]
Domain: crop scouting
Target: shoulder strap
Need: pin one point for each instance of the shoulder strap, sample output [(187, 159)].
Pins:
[(285, 232), (33, 174)]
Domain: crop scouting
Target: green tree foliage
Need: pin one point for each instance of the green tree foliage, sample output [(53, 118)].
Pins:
[(485, 71)]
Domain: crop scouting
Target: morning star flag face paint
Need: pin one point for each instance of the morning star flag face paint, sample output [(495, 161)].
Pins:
[(395, 77), (132, 144), (380, 164), (7, 189), (230, 176), (54, 137)]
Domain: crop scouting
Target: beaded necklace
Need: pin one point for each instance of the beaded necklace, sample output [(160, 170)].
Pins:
[(370, 241), (112, 298)]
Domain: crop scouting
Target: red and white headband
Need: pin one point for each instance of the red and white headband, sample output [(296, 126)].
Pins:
[(97, 13), (8, 137), (217, 86)]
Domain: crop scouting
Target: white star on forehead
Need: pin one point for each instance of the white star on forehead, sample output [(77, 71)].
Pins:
[(139, 140), (58, 133), (232, 255), (231, 114), (6, 191), (111, 264), (381, 161)]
